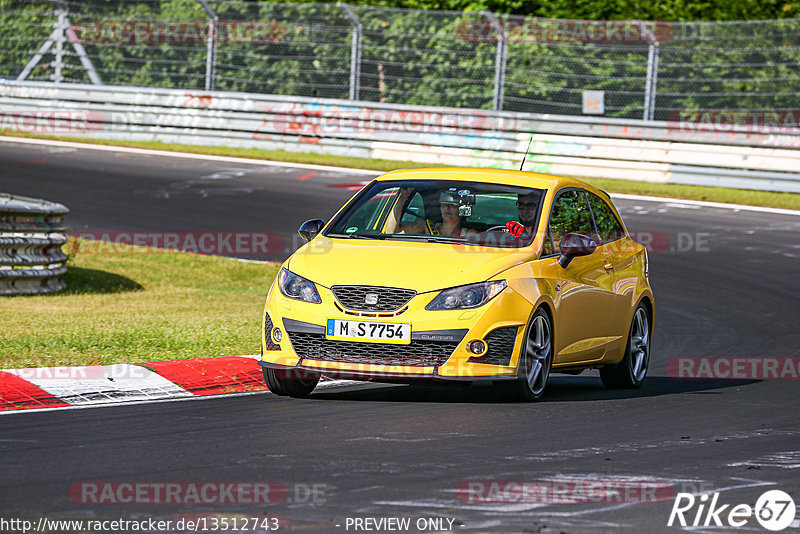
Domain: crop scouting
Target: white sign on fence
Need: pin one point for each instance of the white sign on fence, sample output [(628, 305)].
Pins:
[(594, 102)]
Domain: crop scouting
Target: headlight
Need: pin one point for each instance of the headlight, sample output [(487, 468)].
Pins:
[(469, 296), (297, 287)]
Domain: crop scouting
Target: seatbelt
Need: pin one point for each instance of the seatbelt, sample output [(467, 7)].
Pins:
[(432, 227)]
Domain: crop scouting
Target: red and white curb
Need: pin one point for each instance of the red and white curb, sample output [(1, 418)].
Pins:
[(57, 387)]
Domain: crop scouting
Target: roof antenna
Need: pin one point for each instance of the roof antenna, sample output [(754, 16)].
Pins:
[(526, 152)]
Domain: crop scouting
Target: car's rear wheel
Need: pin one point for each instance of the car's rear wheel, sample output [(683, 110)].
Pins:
[(630, 372), (291, 382), (535, 361)]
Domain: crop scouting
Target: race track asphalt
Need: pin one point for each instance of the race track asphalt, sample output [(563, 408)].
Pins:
[(726, 285)]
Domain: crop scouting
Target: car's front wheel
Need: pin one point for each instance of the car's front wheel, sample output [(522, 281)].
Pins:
[(292, 382), (630, 372), (535, 361)]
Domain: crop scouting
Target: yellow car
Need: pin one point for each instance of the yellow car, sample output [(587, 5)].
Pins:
[(462, 274)]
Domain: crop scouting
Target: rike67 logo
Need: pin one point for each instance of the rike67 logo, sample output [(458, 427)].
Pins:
[(774, 510)]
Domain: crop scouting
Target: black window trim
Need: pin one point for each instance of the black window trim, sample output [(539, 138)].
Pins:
[(594, 219)]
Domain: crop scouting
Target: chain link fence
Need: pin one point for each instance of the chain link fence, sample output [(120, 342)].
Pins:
[(435, 58)]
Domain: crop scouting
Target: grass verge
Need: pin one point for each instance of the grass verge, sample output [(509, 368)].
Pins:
[(138, 306), (692, 192)]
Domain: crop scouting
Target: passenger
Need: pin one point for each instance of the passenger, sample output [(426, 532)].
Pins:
[(527, 207), (451, 221), (393, 224)]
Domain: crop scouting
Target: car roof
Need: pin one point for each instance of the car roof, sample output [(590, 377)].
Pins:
[(498, 176)]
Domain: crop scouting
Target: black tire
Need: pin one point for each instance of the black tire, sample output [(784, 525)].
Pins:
[(291, 383), (631, 371), (534, 362)]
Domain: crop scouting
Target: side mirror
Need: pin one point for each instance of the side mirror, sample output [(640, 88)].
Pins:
[(309, 229), (575, 245)]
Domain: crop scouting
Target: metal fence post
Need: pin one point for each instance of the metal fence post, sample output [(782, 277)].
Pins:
[(652, 74), (355, 51), (499, 62), (211, 47), (83, 56), (37, 57), (58, 62)]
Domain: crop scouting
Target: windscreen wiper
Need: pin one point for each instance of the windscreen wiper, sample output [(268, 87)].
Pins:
[(429, 238), (357, 236)]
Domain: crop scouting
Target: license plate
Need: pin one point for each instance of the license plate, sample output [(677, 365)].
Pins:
[(399, 333)]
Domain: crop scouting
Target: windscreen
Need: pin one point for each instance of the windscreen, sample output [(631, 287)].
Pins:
[(443, 212)]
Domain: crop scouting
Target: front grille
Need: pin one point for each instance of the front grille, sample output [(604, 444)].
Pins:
[(500, 346), (389, 299), (268, 343), (416, 354)]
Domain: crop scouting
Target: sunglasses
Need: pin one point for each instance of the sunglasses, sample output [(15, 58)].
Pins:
[(524, 206)]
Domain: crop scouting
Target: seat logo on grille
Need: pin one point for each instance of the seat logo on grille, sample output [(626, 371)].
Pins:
[(371, 298)]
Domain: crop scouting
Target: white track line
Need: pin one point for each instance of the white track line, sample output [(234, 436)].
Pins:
[(186, 155), (268, 163), (705, 204)]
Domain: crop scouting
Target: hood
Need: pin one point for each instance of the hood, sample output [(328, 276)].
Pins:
[(420, 266)]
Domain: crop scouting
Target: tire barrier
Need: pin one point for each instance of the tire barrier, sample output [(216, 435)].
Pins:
[(32, 233)]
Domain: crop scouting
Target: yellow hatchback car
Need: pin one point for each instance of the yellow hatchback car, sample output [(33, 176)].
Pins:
[(462, 274)]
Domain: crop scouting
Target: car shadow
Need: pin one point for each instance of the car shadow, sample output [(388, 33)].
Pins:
[(81, 281), (559, 389)]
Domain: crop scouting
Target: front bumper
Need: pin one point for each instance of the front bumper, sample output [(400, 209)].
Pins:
[(438, 348)]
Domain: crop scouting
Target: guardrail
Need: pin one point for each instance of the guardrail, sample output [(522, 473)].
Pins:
[(656, 151), (31, 235)]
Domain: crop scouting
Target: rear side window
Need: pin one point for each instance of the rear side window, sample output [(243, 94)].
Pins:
[(608, 225), (570, 215)]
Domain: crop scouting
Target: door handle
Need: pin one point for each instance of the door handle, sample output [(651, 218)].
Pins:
[(608, 266)]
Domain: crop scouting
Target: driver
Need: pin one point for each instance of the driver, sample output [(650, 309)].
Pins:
[(527, 207)]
